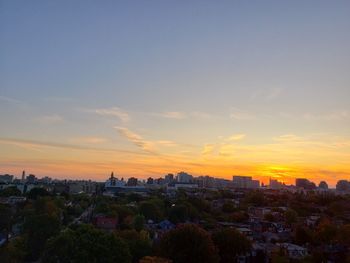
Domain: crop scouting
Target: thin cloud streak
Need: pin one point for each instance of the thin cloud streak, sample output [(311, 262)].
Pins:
[(136, 139), (36, 143), (113, 112)]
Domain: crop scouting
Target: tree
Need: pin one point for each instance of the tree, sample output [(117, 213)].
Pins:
[(37, 192), (86, 244), (10, 191), (326, 231), (188, 244), (38, 229), (14, 251), (291, 216), (269, 217), (230, 243), (228, 207), (139, 222), (255, 198), (150, 210), (178, 214), (344, 235), (139, 243), (303, 235), (5, 218)]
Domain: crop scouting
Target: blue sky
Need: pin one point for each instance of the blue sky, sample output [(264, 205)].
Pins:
[(186, 72)]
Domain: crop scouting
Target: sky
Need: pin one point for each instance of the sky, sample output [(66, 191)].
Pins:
[(146, 88)]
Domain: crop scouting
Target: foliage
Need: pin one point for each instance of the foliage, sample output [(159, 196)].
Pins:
[(139, 222), (38, 229), (188, 244), (139, 243), (291, 216), (10, 191), (37, 192), (86, 244), (150, 210), (230, 243)]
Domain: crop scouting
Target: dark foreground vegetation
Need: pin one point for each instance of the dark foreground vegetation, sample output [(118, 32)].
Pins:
[(179, 227)]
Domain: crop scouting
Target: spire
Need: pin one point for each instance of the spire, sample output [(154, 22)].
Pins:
[(112, 175)]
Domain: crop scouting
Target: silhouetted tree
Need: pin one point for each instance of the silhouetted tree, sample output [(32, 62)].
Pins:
[(10, 191), (86, 244), (37, 192), (139, 222), (188, 244), (230, 244), (38, 229), (139, 243)]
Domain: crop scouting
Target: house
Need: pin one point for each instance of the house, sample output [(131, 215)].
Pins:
[(166, 225), (293, 251)]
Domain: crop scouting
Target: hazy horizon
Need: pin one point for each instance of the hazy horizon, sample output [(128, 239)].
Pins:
[(154, 87)]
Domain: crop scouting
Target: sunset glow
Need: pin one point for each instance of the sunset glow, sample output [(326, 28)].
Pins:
[(219, 90)]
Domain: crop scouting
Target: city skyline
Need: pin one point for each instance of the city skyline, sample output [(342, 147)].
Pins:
[(147, 88)]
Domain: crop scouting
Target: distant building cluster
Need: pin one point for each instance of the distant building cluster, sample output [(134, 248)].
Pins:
[(26, 183), (181, 180)]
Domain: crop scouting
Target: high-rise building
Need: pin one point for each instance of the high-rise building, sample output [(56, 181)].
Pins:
[(275, 184), (23, 176), (183, 177), (31, 179), (169, 178), (343, 186), (245, 182), (304, 183), (6, 178)]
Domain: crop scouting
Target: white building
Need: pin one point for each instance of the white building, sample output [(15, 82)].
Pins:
[(183, 177)]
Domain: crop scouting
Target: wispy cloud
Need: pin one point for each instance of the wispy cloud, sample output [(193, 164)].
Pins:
[(289, 138), (179, 115), (238, 114), (208, 149), (113, 111), (89, 140), (237, 137), (41, 144), (172, 115), (136, 139), (331, 116)]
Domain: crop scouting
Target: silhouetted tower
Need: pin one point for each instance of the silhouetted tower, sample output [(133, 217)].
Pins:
[(23, 176)]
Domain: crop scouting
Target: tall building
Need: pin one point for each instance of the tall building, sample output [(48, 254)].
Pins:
[(245, 182), (169, 178), (23, 176), (31, 179), (183, 177), (274, 184), (304, 183), (343, 186), (6, 178)]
